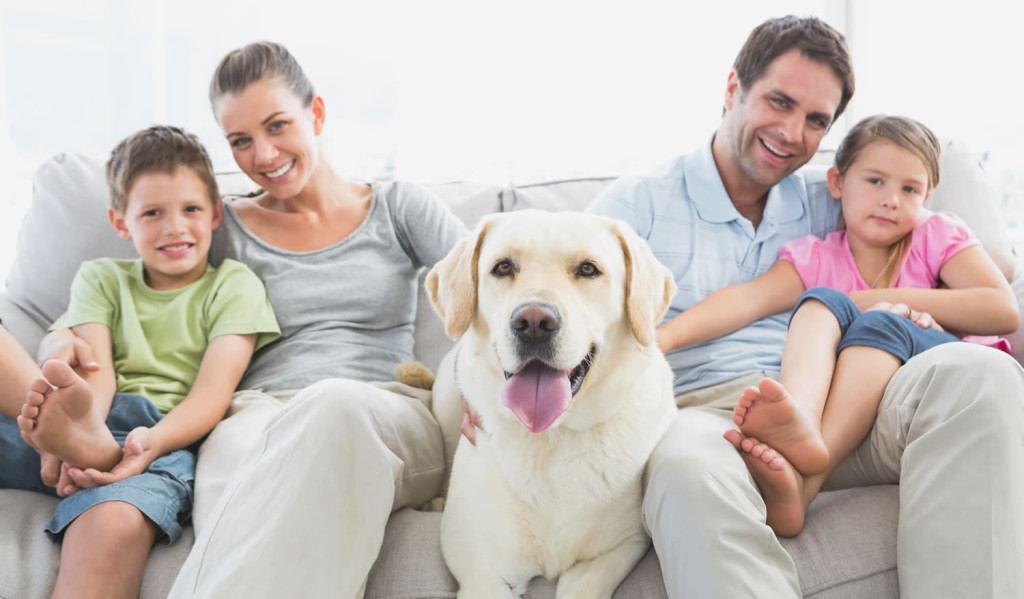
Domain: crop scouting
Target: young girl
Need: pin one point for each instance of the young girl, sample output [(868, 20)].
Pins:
[(837, 361)]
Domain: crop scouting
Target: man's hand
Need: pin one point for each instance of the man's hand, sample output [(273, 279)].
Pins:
[(470, 422), (921, 319), (140, 451), (64, 345)]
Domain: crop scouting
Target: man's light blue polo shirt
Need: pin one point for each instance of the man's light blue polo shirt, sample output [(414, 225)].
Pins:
[(684, 213)]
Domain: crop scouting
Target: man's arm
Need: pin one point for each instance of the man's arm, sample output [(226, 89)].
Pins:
[(734, 307)]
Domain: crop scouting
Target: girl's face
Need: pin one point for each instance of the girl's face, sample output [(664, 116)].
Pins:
[(882, 193), (272, 135)]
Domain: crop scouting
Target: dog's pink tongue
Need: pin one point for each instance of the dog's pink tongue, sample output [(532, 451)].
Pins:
[(537, 395)]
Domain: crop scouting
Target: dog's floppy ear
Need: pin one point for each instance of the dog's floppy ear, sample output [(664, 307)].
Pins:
[(451, 284), (650, 286)]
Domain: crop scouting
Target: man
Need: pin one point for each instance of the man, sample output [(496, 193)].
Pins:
[(950, 427)]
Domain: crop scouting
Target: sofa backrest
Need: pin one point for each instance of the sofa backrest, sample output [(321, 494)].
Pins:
[(66, 224)]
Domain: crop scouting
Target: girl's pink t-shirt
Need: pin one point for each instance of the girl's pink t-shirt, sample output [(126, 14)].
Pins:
[(829, 262)]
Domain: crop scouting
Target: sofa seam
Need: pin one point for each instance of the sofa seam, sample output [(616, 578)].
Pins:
[(846, 581)]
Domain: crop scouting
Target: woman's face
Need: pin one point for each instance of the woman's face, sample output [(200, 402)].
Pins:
[(272, 135)]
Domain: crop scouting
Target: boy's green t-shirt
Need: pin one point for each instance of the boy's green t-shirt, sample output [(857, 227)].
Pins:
[(159, 337)]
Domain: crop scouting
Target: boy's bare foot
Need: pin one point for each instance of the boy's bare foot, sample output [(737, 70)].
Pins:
[(781, 485), (768, 412), (58, 418)]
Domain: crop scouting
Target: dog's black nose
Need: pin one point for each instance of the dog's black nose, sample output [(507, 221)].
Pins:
[(535, 322)]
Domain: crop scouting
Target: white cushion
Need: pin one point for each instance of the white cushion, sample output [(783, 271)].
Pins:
[(66, 224)]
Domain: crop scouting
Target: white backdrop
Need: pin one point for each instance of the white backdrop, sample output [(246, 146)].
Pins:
[(482, 89)]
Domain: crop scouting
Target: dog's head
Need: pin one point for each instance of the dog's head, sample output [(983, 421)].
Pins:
[(548, 295)]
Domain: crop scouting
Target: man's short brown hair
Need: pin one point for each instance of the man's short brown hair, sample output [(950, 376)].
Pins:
[(158, 149), (814, 38)]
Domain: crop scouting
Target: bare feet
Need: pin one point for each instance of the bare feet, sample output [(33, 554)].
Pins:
[(59, 420), (781, 485), (768, 412)]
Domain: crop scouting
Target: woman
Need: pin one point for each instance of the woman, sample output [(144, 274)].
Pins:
[(340, 261), (318, 454)]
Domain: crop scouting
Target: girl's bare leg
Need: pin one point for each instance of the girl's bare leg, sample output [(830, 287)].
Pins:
[(17, 371), (104, 552), (861, 376), (786, 416)]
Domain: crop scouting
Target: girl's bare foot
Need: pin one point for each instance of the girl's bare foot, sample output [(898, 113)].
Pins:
[(58, 418), (768, 412), (780, 484)]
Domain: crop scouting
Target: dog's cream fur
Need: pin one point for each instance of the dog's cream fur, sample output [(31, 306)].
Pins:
[(565, 501)]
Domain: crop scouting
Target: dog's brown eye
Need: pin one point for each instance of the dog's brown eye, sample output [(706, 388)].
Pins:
[(587, 270), (503, 268)]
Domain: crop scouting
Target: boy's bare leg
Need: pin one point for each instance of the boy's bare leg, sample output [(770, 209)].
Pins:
[(780, 484), (786, 416), (104, 552), (60, 420), (17, 370), (862, 374)]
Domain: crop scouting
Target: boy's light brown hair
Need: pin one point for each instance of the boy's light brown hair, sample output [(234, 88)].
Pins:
[(158, 149)]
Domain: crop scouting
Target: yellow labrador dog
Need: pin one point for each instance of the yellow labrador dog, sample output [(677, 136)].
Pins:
[(555, 316)]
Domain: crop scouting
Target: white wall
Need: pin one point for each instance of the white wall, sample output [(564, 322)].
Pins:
[(478, 89)]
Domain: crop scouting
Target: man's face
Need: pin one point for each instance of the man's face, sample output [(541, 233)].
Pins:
[(774, 126)]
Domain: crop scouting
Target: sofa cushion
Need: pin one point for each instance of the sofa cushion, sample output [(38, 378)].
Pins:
[(66, 223), (30, 559), (554, 196), (965, 189), (847, 549)]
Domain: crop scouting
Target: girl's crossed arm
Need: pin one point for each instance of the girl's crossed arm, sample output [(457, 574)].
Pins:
[(978, 300)]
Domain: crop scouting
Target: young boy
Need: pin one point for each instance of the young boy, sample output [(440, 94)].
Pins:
[(173, 336)]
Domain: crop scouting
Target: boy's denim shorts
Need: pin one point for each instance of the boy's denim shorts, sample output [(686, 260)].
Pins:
[(887, 331), (163, 492)]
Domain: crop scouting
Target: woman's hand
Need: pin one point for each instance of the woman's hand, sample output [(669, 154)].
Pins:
[(921, 319), (64, 345), (140, 450), (470, 422)]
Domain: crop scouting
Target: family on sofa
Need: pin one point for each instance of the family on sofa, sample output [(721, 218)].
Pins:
[(318, 426)]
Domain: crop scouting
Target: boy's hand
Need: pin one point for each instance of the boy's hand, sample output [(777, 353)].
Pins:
[(54, 473), (65, 484), (64, 345), (140, 450)]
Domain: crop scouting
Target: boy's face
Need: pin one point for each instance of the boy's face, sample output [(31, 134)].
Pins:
[(169, 218)]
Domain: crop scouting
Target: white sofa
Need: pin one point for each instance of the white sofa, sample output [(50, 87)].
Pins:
[(848, 548)]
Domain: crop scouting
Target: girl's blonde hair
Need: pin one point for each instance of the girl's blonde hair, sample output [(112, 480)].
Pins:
[(905, 133)]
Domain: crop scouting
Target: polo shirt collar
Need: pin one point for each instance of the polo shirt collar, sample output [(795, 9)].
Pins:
[(786, 200)]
